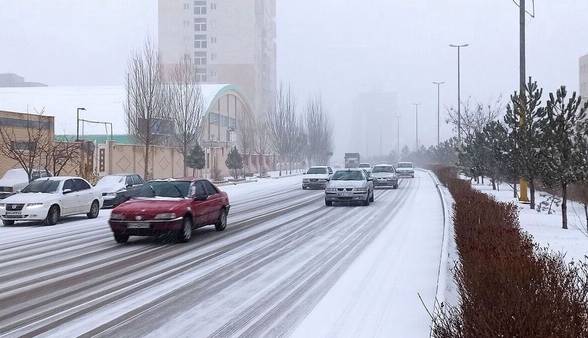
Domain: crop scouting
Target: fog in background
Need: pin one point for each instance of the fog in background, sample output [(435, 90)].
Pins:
[(339, 48)]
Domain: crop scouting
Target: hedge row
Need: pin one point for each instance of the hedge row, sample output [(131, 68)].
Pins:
[(507, 286)]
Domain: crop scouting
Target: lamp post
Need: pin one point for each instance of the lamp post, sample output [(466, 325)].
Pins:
[(438, 108), (78, 123), (397, 117), (416, 105), (459, 47)]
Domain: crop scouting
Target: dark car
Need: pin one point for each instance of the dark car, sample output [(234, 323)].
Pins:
[(173, 207), (117, 189)]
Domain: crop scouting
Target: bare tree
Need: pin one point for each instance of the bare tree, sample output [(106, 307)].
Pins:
[(261, 144), (474, 116), (281, 124), (184, 101), (247, 136), (145, 97), (319, 132), (59, 155), (26, 148)]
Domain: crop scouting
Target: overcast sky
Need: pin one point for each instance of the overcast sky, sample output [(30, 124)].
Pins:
[(336, 47)]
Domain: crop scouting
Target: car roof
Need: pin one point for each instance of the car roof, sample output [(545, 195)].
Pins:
[(383, 165), (404, 162), (59, 178), (319, 166), (351, 169)]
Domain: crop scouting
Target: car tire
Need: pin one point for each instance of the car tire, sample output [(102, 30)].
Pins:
[(52, 215), (8, 222), (185, 233), (366, 202), (329, 203), (221, 223), (94, 210), (121, 238), (395, 186), (373, 197)]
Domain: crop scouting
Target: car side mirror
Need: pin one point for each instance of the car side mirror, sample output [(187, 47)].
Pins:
[(200, 197), (370, 179), (67, 191)]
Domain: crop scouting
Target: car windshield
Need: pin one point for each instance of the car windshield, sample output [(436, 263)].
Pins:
[(404, 165), (351, 175), (315, 171), (110, 180), (175, 189), (42, 186), (383, 169)]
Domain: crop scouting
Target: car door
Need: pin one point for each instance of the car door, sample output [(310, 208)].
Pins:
[(84, 194), (215, 201), (200, 204), (69, 200)]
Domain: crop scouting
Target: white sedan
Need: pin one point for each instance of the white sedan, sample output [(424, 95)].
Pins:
[(48, 199)]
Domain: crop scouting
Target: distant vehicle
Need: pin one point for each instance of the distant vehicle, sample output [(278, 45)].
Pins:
[(316, 177), (352, 160), (117, 189), (49, 199), (16, 179), (384, 175), (405, 169), (366, 166), (170, 207), (349, 185)]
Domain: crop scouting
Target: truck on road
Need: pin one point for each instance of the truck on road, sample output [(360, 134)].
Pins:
[(352, 160)]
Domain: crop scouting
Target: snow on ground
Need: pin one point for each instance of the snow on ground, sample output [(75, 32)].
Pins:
[(546, 228), (378, 296)]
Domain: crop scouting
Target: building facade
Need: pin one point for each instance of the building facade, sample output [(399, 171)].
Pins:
[(230, 41), (584, 76)]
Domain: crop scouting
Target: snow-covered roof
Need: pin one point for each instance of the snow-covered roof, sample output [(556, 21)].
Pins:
[(102, 103)]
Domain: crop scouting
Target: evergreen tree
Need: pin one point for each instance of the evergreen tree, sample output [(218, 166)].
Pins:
[(525, 150), (562, 123), (234, 162), (196, 158)]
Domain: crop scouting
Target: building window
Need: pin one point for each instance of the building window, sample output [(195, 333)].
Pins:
[(213, 5), (23, 146), (199, 7), (186, 6), (200, 58), (213, 39), (212, 56), (200, 24), (201, 77), (200, 41)]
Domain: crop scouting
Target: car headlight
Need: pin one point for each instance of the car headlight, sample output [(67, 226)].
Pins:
[(305, 180), (117, 216), (360, 189), (109, 195), (34, 205), (167, 215), (331, 189)]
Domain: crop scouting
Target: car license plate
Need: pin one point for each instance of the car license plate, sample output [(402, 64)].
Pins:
[(138, 226), (13, 213)]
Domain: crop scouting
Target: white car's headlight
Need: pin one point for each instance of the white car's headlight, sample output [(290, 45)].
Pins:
[(109, 195), (167, 215), (331, 189), (360, 189), (34, 205), (117, 216), (305, 180)]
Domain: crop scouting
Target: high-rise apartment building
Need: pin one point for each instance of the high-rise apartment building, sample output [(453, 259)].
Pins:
[(584, 77), (230, 41)]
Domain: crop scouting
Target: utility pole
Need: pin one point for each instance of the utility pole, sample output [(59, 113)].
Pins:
[(78, 123), (397, 135), (438, 109), (416, 105), (459, 47)]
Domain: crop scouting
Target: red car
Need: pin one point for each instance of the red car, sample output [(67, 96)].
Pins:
[(170, 207)]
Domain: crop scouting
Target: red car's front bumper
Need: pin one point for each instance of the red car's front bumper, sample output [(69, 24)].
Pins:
[(145, 228)]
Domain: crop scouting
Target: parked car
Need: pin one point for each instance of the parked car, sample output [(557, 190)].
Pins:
[(384, 175), (170, 207), (117, 189), (16, 179), (48, 199), (405, 169), (316, 177), (349, 185)]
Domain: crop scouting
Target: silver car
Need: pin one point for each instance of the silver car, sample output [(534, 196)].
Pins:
[(405, 169), (349, 185), (384, 175)]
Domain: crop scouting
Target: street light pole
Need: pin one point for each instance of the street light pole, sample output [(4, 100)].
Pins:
[(459, 47), (78, 123), (397, 135), (416, 105), (438, 108)]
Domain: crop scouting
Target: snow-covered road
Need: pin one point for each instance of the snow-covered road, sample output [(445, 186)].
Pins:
[(286, 265)]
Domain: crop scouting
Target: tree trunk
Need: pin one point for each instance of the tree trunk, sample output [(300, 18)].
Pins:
[(586, 213), (146, 171), (532, 190), (564, 206), (514, 190), (185, 154), (493, 183), (482, 179)]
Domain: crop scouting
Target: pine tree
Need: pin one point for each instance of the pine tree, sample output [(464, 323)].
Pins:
[(562, 123), (526, 134), (234, 161), (196, 158)]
